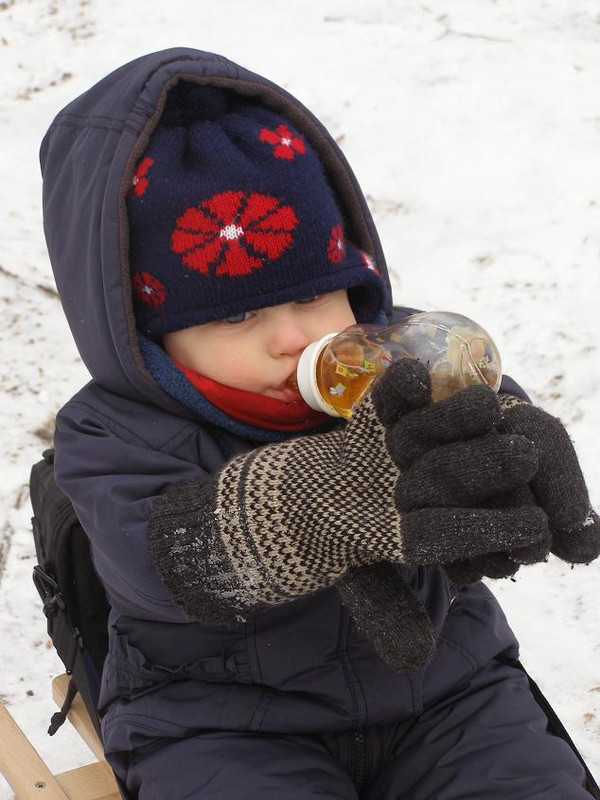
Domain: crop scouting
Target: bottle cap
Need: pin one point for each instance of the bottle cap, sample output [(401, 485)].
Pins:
[(306, 376)]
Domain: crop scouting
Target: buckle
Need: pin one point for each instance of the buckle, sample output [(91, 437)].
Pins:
[(48, 590)]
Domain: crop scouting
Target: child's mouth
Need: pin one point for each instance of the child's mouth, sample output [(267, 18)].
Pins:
[(287, 392)]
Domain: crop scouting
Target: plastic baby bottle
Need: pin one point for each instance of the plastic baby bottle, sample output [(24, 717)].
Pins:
[(336, 372)]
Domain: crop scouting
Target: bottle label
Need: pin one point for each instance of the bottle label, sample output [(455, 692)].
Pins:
[(340, 369), (337, 390), (386, 357)]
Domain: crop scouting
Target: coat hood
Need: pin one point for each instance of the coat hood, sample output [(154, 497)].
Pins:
[(88, 157)]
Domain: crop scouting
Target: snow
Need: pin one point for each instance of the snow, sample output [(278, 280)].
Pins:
[(474, 129)]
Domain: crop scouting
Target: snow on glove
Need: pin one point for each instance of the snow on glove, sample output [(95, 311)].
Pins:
[(287, 519), (558, 485), (501, 565)]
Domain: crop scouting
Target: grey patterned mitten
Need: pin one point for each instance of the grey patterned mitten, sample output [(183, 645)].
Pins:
[(287, 519)]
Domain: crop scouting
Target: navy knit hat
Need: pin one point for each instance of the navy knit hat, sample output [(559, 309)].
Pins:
[(229, 211)]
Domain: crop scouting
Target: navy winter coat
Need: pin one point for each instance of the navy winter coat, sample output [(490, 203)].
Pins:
[(121, 441)]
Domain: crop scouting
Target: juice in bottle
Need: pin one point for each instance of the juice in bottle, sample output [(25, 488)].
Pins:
[(335, 373)]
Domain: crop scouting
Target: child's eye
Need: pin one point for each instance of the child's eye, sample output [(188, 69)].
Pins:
[(308, 299), (236, 318)]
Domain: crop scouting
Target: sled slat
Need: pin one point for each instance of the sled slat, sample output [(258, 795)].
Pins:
[(92, 782), (21, 765), (30, 778)]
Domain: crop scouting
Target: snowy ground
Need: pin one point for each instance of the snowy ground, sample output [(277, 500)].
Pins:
[(474, 128)]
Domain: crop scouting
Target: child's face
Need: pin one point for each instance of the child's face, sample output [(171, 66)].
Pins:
[(258, 351)]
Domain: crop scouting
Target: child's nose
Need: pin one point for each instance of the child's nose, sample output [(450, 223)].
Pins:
[(290, 334)]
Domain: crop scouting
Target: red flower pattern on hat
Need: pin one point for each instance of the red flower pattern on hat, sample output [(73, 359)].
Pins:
[(336, 249), (149, 289), (233, 233), (139, 184), (286, 145)]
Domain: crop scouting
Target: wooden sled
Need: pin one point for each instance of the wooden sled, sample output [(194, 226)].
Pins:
[(28, 775)]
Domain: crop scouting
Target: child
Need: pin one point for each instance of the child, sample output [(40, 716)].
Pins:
[(296, 605)]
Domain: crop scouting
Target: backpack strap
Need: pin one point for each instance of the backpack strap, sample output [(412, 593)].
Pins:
[(59, 717), (73, 599)]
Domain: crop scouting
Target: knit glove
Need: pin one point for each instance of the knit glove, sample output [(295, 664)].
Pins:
[(417, 442), (388, 613), (287, 519), (558, 485)]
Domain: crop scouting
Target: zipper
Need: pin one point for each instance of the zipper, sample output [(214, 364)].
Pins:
[(355, 737), (360, 765)]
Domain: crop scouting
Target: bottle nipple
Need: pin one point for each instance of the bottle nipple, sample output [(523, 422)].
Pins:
[(306, 375)]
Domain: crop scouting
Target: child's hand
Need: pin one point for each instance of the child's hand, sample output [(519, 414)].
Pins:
[(287, 519), (463, 489), (558, 485)]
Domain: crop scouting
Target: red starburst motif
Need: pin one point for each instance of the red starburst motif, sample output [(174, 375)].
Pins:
[(368, 262), (149, 290), (233, 233), (336, 249), (139, 184), (286, 145)]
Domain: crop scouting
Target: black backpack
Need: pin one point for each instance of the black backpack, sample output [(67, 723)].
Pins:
[(73, 598), (77, 610)]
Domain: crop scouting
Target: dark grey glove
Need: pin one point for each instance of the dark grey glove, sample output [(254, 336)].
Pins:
[(558, 485), (387, 613), (460, 472)]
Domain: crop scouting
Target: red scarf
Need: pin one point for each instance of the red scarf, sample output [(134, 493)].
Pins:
[(256, 409)]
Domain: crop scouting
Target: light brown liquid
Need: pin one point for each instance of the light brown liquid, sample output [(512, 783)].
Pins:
[(345, 377)]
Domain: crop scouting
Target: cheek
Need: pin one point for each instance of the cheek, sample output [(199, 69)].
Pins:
[(238, 369)]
